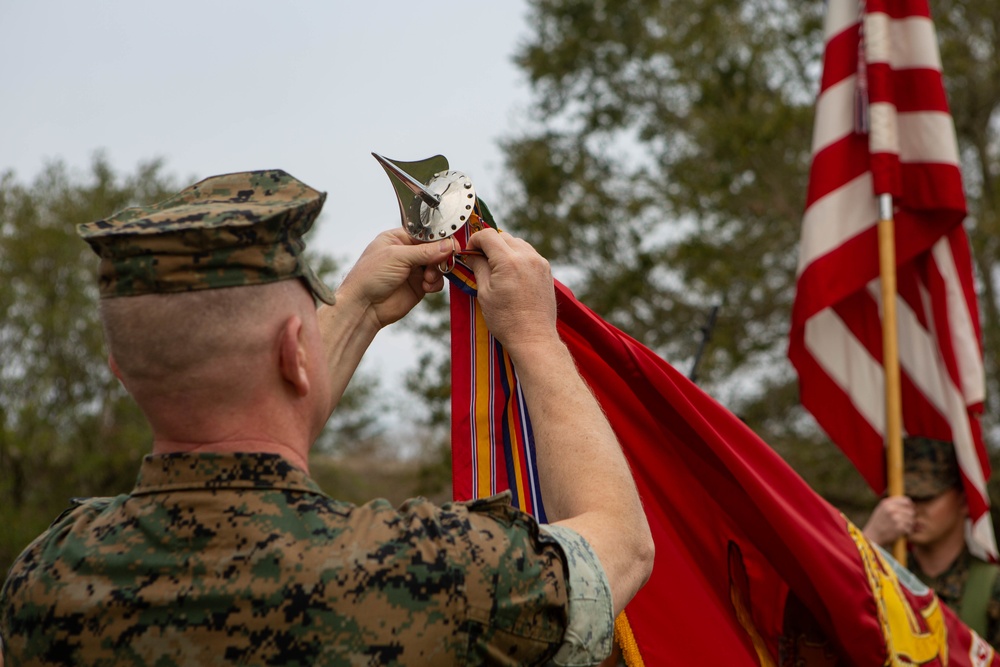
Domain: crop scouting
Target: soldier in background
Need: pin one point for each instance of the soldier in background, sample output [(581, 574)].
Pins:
[(932, 517), (227, 551)]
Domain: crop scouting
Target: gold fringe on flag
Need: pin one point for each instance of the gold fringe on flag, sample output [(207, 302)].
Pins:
[(626, 642)]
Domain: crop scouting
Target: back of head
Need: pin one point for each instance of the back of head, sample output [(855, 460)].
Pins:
[(189, 340)]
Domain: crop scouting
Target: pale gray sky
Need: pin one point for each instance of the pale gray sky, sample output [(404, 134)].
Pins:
[(306, 86)]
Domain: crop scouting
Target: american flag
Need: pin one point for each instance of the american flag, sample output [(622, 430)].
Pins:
[(883, 127)]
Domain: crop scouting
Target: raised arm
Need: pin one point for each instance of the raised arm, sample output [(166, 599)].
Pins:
[(391, 277), (586, 482)]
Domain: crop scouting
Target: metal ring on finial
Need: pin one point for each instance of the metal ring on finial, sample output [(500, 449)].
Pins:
[(434, 201)]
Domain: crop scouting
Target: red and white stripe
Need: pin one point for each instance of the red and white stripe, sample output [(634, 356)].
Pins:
[(910, 152)]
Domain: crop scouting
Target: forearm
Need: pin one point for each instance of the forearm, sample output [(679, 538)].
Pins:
[(348, 329), (388, 280), (586, 481)]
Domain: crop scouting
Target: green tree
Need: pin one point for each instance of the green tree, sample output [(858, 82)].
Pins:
[(670, 167), (67, 427), (430, 382)]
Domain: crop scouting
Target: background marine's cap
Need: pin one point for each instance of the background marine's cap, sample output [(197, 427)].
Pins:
[(225, 231), (929, 467)]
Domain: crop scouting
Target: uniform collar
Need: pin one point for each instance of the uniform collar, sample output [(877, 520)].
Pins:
[(161, 473), (950, 583)]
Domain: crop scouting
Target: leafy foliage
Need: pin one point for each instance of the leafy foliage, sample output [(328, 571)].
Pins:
[(67, 426), (677, 176)]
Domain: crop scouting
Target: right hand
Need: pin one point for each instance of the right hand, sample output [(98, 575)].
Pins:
[(516, 291), (393, 274), (891, 519)]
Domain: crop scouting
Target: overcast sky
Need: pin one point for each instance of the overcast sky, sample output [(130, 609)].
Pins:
[(309, 87)]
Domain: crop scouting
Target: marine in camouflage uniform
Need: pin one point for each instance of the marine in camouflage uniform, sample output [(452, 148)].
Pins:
[(243, 557), (930, 472), (240, 557), (950, 588)]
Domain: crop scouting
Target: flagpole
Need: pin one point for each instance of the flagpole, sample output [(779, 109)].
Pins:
[(890, 360)]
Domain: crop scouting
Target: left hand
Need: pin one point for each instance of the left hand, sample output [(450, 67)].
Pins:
[(516, 291), (393, 274)]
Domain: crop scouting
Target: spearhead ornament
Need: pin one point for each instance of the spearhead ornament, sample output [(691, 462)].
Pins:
[(434, 201)]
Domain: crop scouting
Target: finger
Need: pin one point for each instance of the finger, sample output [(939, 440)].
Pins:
[(430, 286), (432, 279), (477, 264), (432, 274), (489, 241), (423, 254)]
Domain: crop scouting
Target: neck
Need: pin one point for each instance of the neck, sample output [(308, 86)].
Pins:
[(270, 428), (936, 558), (256, 418)]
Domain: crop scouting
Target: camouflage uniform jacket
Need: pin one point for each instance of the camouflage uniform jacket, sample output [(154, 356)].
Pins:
[(950, 587), (241, 558)]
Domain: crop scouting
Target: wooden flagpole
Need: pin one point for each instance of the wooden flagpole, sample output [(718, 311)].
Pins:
[(890, 360)]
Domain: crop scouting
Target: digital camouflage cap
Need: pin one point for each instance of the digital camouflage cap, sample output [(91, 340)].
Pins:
[(929, 467), (225, 231)]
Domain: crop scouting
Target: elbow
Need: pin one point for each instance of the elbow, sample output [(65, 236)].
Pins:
[(636, 565), (645, 551)]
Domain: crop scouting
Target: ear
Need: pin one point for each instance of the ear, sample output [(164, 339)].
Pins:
[(292, 356)]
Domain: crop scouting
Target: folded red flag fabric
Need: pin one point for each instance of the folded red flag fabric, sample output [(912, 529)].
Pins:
[(752, 566)]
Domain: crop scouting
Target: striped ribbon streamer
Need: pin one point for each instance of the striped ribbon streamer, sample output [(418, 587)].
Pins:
[(492, 445)]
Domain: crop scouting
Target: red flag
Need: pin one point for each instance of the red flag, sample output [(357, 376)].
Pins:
[(752, 567), (910, 152)]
